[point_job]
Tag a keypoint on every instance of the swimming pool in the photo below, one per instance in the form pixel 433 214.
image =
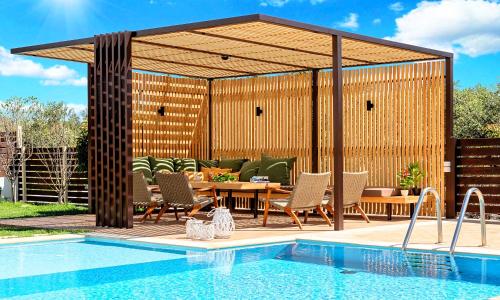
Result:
pixel 104 269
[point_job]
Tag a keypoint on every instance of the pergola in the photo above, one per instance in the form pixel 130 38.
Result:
pixel 226 48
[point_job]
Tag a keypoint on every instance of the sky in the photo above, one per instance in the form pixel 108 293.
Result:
pixel 468 28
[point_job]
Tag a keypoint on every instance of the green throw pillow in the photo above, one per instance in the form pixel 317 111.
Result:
pixel 233 164
pixel 184 164
pixel 277 169
pixel 249 169
pixel 207 163
pixel 159 164
pixel 141 164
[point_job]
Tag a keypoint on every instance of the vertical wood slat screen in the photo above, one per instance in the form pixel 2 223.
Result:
pixel 283 129
pixel 110 134
pixel 405 125
pixel 183 130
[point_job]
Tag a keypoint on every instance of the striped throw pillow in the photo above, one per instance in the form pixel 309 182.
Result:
pixel 184 164
pixel 160 164
pixel 207 163
pixel 141 164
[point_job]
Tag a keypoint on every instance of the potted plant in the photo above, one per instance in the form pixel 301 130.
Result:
pixel 405 181
pixel 417 176
pixel 223 177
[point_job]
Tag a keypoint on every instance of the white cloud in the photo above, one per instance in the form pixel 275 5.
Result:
pixel 78 108
pixel 350 22
pixel 12 65
pixel 461 26
pixel 396 6
pixel 281 3
pixel 376 21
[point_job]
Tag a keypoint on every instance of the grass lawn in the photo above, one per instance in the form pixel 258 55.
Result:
pixel 10 210
pixel 12 232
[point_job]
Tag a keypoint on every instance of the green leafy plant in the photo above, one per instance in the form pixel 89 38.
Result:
pixel 411 176
pixel 405 180
pixel 416 173
pixel 223 177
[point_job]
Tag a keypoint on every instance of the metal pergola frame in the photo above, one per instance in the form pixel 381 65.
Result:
pixel 111 57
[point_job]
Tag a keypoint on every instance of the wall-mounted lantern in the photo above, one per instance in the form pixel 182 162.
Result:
pixel 258 111
pixel 369 105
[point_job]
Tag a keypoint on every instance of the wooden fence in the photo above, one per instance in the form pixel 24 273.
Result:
pixel 37 180
pixel 478 165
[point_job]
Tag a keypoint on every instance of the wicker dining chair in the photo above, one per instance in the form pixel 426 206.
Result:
pixel 354 184
pixel 307 194
pixel 178 193
pixel 142 196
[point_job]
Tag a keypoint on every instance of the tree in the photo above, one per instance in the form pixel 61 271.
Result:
pixel 477 112
pixel 82 146
pixel 57 128
pixel 16 121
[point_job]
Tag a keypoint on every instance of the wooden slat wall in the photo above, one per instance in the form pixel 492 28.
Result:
pixel 183 130
pixel 478 165
pixel 405 125
pixel 283 129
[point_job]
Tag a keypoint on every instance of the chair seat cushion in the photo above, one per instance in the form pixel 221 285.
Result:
pixel 281 203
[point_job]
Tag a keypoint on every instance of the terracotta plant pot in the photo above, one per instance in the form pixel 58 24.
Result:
pixel 404 192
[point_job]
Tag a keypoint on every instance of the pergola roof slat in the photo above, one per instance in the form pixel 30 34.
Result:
pixel 254 45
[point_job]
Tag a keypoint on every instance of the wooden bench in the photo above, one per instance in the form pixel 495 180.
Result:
pixel 390 200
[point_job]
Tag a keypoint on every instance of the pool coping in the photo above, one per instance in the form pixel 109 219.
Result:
pixel 338 237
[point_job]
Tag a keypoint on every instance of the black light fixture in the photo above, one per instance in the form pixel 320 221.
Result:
pixel 161 111
pixel 224 57
pixel 258 111
pixel 369 105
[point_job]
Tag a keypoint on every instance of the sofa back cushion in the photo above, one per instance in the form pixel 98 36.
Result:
pixel 185 164
pixel 233 164
pixel 277 169
pixel 249 169
pixel 160 164
pixel 141 164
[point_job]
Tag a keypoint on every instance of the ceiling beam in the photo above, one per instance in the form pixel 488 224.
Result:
pixel 245 73
pixel 274 46
pixel 220 54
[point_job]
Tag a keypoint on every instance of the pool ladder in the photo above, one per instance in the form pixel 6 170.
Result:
pixel 462 215
pixel 417 210
pixel 439 220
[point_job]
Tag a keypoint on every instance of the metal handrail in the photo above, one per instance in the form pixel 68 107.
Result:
pixel 417 210
pixel 462 215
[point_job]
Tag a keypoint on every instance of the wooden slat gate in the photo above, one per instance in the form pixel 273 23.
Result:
pixel 478 165
pixel 38 187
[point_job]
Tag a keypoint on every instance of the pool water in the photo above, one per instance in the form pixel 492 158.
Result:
pixel 101 269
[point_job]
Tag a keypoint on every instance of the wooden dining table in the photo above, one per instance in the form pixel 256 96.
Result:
pixel 230 187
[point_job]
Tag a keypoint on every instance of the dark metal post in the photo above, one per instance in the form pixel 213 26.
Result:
pixel 91 142
pixel 210 134
pixel 314 122
pixel 110 130
pixel 337 134
pixel 450 142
